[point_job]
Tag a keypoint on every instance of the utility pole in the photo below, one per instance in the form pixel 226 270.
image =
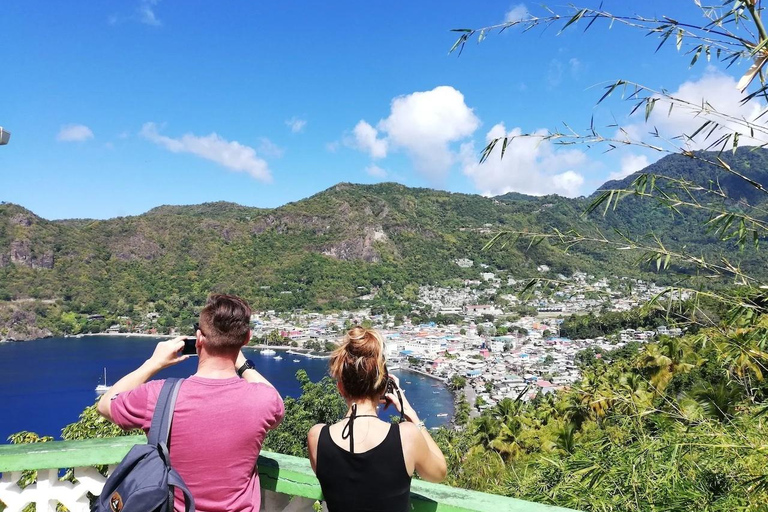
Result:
pixel 5 136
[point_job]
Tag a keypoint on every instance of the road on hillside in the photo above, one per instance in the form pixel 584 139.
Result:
pixel 469 392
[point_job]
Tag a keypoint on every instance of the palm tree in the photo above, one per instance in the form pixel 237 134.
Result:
pixel 505 442
pixel 718 401
pixel 743 352
pixel 663 360
pixel 565 438
pixel 485 429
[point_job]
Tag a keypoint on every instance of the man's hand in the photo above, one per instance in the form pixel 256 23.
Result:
pixel 167 353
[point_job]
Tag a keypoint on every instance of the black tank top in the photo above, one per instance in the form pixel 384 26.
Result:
pixel 373 481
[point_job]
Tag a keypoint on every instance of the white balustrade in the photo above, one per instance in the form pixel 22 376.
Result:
pixel 49 490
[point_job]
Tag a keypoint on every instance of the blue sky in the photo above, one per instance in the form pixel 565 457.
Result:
pixel 116 107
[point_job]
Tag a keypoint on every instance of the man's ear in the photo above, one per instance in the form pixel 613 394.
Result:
pixel 248 337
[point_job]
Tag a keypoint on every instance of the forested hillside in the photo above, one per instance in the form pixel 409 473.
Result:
pixel 327 250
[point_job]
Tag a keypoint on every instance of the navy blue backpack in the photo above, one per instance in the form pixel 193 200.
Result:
pixel 144 481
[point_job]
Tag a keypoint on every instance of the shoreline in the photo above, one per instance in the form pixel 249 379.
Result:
pixel 288 350
pixel 440 379
pixel 121 334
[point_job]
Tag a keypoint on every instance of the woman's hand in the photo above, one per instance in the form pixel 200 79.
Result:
pixel 407 410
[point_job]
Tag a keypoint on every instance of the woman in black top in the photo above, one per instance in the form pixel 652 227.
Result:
pixel 365 464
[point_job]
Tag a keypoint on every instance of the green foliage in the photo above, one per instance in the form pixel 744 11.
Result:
pixel 675 425
pixel 91 425
pixel 320 402
pixel 457 382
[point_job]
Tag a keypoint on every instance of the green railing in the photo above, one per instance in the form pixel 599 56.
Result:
pixel 283 474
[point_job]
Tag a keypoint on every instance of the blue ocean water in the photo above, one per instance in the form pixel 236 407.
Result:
pixel 46 384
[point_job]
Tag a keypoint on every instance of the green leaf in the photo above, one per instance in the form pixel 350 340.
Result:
pixel 576 17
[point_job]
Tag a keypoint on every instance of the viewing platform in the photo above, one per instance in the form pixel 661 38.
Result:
pixel 288 483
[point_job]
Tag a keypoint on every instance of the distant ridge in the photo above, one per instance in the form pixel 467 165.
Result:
pixel 328 249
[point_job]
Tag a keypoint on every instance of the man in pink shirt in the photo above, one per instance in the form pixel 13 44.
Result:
pixel 223 412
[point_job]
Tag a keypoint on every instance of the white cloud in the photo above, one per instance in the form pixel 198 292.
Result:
pixel 74 133
pixel 530 166
pixel 424 125
pixel 576 67
pixel 554 73
pixel 516 13
pixel 714 87
pixel 630 164
pixel 296 125
pixel 146 13
pixel 269 148
pixel 366 138
pixel 376 171
pixel 230 154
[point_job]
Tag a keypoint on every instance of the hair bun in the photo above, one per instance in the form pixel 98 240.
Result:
pixel 358 363
pixel 363 343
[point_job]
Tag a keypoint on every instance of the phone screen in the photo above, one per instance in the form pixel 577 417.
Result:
pixel 189 347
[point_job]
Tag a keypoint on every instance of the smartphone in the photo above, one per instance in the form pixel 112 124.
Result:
pixel 189 347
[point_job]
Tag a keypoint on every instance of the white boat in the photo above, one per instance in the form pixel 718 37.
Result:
pixel 268 352
pixel 102 388
pixel 442 415
pixel 278 358
pixel 295 360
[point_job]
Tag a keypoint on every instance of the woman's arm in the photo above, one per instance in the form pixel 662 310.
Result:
pixel 312 438
pixel 428 459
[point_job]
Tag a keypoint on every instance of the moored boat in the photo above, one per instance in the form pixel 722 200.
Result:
pixel 102 388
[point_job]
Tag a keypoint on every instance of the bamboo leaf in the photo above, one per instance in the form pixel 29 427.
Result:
pixel 576 17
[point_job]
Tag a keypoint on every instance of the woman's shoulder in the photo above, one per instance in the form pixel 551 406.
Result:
pixel 314 432
pixel 409 429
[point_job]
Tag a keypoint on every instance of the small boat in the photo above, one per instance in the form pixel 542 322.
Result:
pixel 407 382
pixel 268 352
pixel 435 392
pixel 278 358
pixel 295 360
pixel 442 415
pixel 102 388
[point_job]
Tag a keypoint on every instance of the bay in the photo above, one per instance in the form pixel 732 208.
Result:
pixel 45 384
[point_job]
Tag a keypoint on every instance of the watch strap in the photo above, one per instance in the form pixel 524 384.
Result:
pixel 248 365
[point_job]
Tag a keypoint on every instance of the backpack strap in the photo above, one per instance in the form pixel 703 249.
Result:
pixel 159 433
pixel 175 480
pixel 163 415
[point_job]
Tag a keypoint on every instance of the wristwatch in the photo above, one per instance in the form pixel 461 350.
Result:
pixel 248 365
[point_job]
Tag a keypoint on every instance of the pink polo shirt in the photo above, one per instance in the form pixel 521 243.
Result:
pixel 218 428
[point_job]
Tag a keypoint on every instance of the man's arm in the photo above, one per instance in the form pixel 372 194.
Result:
pixel 250 375
pixel 166 354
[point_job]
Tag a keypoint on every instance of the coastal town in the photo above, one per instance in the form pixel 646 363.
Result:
pixel 497 352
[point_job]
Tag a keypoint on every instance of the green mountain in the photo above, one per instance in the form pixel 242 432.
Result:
pixel 324 251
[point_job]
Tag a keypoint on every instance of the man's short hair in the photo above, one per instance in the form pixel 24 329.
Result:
pixel 225 322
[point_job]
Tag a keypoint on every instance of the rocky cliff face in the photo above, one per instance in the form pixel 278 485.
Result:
pixel 21 229
pixel 359 248
pixel 21 254
pixel 18 323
